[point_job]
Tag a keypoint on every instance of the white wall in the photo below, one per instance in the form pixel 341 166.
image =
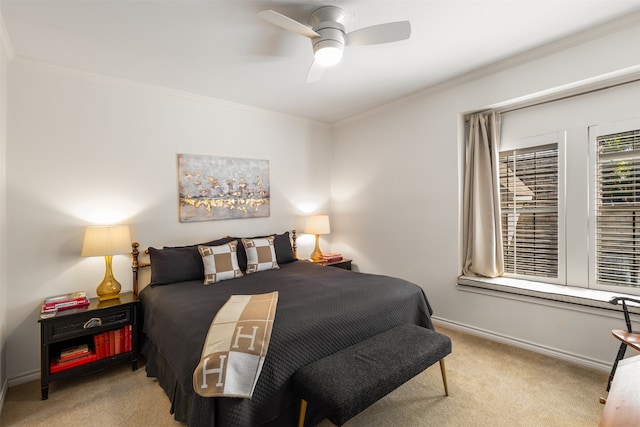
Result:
pixel 403 219
pixel 84 149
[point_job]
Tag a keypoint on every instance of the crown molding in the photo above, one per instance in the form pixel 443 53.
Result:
pixel 106 79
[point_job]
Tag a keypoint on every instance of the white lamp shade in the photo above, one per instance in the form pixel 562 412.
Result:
pixel 317 224
pixel 106 240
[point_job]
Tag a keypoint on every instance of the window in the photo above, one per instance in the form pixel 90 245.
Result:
pixel 529 210
pixel 570 193
pixel 617 207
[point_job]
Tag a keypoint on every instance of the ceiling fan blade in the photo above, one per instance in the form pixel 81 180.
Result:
pixel 279 20
pixel 315 72
pixel 379 34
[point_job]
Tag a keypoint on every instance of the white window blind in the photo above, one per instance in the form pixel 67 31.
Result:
pixel 618 209
pixel 529 203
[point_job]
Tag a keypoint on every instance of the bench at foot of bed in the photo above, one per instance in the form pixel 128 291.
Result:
pixel 346 383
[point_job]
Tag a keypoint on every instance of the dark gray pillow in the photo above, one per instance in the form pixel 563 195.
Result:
pixel 171 265
pixel 282 245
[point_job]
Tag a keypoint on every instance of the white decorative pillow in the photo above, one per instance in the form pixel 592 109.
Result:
pixel 261 254
pixel 220 262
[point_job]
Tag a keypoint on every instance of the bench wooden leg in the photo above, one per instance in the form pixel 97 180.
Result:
pixel 303 412
pixel 444 377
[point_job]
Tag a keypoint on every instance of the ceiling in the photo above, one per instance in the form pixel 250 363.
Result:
pixel 221 49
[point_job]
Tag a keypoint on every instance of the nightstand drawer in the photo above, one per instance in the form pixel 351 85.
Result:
pixel 95 321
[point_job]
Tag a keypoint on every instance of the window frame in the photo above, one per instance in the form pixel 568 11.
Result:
pixel 541 141
pixel 594 132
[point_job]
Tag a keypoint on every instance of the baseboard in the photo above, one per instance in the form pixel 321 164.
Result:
pixel 24 378
pixel 3 393
pixel 527 345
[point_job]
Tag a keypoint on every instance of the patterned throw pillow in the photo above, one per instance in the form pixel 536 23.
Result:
pixel 220 262
pixel 261 254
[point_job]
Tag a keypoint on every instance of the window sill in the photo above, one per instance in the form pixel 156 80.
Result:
pixel 559 293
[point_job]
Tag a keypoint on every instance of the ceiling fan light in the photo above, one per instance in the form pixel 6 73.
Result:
pixel 328 53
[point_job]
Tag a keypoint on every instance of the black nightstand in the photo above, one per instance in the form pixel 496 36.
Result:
pixel 344 263
pixel 85 326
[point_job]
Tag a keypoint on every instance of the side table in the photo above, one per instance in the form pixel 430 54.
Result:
pixel 85 325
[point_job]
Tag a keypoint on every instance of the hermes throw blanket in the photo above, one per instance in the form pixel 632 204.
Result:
pixel 236 346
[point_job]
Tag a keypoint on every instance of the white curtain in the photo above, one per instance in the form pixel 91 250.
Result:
pixel 482 227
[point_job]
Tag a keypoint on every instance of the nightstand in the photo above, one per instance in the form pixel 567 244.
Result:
pixel 114 320
pixel 344 263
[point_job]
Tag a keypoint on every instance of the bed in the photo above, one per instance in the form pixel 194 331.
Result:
pixel 320 311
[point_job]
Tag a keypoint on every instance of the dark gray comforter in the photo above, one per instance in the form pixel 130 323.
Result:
pixel 320 311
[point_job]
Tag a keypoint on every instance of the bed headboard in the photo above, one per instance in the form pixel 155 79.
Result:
pixel 136 264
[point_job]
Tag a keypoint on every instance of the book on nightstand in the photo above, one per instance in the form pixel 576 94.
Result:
pixel 112 343
pixel 107 345
pixel 96 345
pixel 52 305
pixel 119 340
pixel 72 353
pixel 66 298
pixel 332 257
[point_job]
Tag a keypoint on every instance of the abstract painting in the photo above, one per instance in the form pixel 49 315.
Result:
pixel 213 188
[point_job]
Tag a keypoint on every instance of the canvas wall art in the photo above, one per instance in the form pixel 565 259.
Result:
pixel 214 188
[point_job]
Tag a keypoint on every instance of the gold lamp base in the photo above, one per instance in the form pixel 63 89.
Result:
pixel 109 288
pixel 316 255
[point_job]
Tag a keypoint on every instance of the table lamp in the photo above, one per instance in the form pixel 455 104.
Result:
pixel 107 241
pixel 317 224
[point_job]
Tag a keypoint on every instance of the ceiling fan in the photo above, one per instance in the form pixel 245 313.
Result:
pixel 326 30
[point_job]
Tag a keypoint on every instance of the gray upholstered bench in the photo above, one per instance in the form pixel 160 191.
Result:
pixel 346 383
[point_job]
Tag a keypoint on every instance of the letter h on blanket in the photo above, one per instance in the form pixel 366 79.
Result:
pixel 218 371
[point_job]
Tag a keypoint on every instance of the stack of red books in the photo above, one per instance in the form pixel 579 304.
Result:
pixel 72 357
pixel 64 302
pixel 331 257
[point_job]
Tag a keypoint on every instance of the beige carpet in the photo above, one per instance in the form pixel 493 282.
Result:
pixel 490 384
